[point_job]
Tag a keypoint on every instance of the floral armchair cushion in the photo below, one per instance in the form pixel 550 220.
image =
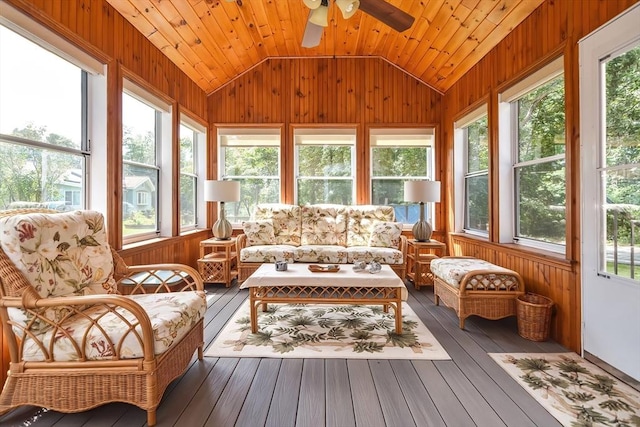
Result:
pixel 286 221
pixel 324 225
pixel 361 221
pixel 60 254
pixel 385 234
pixel 172 316
pixel 259 232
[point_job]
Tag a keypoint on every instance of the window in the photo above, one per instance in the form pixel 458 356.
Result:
pixel 252 157
pixel 44 148
pixel 472 172
pixel 192 137
pixel 399 155
pixel 324 164
pixel 536 117
pixel 143 143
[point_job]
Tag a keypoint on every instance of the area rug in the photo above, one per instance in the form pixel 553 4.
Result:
pixel 576 392
pixel 326 331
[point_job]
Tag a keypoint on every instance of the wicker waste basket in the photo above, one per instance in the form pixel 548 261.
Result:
pixel 534 316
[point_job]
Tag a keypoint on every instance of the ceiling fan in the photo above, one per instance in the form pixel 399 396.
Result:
pixel 385 12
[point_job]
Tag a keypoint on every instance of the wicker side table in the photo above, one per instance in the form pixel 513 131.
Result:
pixel 424 276
pixel 220 264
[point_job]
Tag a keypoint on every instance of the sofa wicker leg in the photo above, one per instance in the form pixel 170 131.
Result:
pixel 462 322
pixel 151 417
pixel 200 353
pixel 436 299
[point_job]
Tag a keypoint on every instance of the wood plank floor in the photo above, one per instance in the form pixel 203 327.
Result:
pixel 468 390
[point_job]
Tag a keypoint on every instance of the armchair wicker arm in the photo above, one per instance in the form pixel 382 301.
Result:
pixel 154 278
pixel 78 321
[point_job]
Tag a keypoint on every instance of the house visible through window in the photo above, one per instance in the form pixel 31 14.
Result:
pixel 399 155
pixel 44 149
pixel 252 157
pixel 535 111
pixel 325 166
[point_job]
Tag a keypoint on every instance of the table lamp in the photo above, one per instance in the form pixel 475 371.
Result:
pixel 222 191
pixel 421 192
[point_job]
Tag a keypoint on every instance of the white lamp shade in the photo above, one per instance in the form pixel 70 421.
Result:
pixel 320 16
pixel 348 7
pixel 312 4
pixel 221 191
pixel 422 191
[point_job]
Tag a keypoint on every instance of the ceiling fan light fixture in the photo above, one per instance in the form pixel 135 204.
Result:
pixel 348 7
pixel 312 4
pixel 320 16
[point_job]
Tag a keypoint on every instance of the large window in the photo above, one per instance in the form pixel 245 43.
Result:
pixel 399 155
pixel 192 138
pixel 536 112
pixel 44 147
pixel 252 157
pixel 142 140
pixel 325 166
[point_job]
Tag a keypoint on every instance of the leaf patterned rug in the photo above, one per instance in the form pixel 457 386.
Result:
pixel 326 331
pixel 576 392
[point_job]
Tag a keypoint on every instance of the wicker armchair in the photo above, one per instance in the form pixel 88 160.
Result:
pixel 74 342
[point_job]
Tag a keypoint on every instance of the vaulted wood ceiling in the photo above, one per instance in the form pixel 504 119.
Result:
pixel 213 41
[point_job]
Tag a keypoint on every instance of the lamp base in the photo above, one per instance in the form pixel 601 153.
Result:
pixel 222 229
pixel 422 231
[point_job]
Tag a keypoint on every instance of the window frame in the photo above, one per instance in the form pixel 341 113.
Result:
pixel 509 155
pixel 247 132
pixel 91 71
pixel 197 174
pixel 461 170
pixel 324 132
pixel 162 164
pixel 413 137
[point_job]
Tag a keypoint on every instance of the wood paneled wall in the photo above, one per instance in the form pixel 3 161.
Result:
pixel 325 91
pixel 94 26
pixel 315 92
pixel 553 29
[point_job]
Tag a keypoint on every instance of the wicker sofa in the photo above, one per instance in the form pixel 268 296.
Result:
pixel 324 233
pixel 74 342
pixel 473 286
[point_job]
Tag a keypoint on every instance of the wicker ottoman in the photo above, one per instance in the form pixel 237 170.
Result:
pixel 473 286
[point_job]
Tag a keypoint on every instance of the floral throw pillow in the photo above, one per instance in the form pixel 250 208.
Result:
pixel 385 234
pixel 259 232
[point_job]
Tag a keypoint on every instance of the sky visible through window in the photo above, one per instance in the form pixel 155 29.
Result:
pixel 41 88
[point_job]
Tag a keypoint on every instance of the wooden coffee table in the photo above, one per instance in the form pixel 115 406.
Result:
pixel 298 285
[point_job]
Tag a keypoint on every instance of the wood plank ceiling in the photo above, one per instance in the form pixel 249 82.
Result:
pixel 214 41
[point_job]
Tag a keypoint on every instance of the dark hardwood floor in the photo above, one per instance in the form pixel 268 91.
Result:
pixel 468 390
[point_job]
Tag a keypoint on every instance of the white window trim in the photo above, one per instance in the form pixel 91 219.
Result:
pixel 508 154
pixel 460 168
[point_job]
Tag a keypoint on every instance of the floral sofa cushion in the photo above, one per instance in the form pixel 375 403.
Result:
pixel 324 225
pixel 485 275
pixel 385 234
pixel 368 254
pixel 361 222
pixel 331 254
pixel 286 221
pixel 172 316
pixel 259 232
pixel 62 254
pixel 267 253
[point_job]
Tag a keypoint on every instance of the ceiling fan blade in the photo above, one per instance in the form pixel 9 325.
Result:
pixel 312 35
pixel 387 13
